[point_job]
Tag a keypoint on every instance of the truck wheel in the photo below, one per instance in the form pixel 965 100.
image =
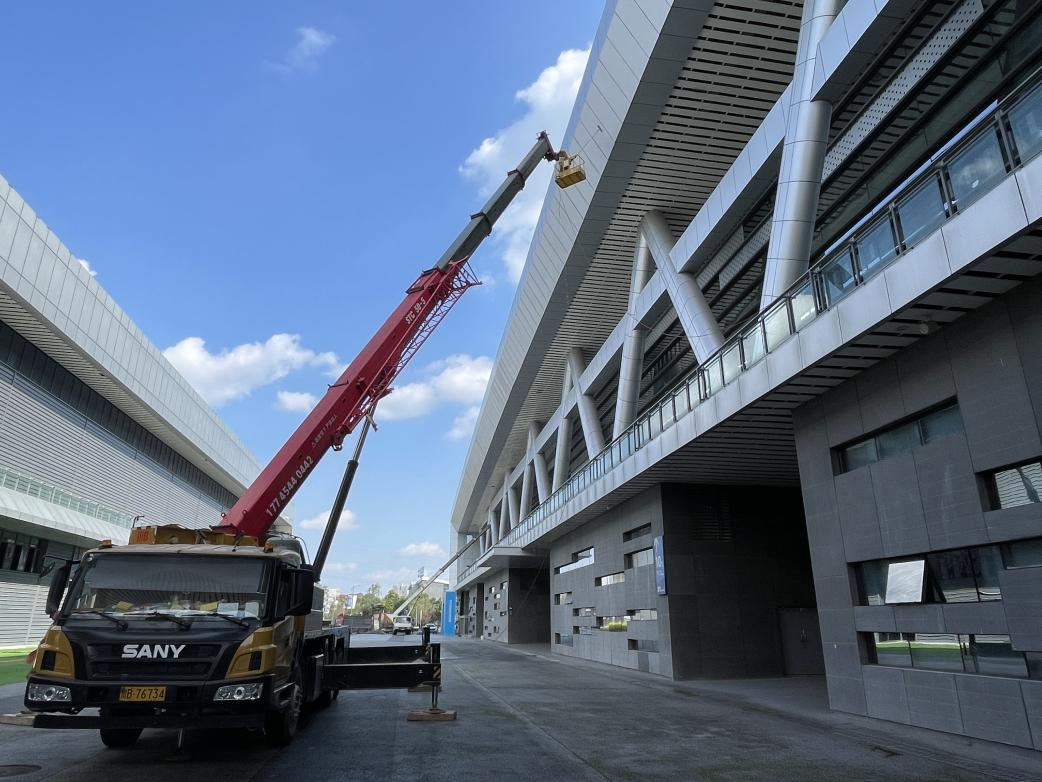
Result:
pixel 118 738
pixel 281 726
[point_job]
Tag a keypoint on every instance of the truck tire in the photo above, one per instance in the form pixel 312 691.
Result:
pixel 119 738
pixel 280 726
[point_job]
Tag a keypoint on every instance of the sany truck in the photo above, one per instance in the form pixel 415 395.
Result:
pixel 222 627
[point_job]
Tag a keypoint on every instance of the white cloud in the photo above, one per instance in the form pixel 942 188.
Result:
pixel 296 401
pixel 86 265
pixel 458 379
pixel 348 520
pixel 424 549
pixel 463 424
pixel 232 374
pixel 548 104
pixel 303 55
pixel 339 567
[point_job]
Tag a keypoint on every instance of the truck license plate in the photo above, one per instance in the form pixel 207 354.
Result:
pixel 142 693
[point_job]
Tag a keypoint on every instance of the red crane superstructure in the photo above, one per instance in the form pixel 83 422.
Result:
pixel 369 376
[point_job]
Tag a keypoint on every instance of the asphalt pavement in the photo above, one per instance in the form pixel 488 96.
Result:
pixel 527 715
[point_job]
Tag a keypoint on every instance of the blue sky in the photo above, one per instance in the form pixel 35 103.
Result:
pixel 257 184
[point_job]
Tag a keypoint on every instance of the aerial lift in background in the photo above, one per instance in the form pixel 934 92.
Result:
pixel 219 628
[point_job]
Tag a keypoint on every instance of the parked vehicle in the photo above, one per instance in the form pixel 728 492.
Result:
pixel 403 624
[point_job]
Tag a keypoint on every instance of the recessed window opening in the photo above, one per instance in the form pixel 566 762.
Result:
pixel 645 556
pixel 986 654
pixel 636 532
pixel 890 442
pixel 579 559
pixel 611 578
pixel 1015 486
pixel 967 575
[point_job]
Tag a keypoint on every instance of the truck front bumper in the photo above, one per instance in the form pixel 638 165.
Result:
pixel 188 704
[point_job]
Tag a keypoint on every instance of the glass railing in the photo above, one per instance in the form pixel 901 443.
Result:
pixel 32 487
pixel 1001 140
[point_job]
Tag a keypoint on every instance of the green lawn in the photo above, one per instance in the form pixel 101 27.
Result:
pixel 12 665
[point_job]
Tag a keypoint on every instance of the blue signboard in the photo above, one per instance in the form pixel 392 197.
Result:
pixel 660 566
pixel 448 614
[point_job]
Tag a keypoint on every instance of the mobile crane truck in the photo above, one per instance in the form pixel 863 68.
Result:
pixel 221 628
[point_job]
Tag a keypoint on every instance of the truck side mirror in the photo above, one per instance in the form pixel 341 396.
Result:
pixel 57 589
pixel 301 586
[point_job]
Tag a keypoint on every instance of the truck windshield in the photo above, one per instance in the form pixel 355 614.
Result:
pixel 183 585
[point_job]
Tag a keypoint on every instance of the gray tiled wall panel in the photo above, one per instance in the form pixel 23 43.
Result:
pixel 885 693
pixel 950 496
pixel 992 708
pixel 933 701
pixel 1022 602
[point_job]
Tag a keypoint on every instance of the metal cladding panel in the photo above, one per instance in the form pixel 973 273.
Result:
pixel 24 619
pixel 52 300
pixel 36 439
pixel 662 141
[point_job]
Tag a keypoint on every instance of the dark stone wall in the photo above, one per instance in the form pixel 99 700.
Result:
pixel 926 499
pixel 734 556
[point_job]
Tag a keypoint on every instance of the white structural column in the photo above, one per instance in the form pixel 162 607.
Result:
pixel 799 179
pixel 591 424
pixel 526 491
pixel 538 464
pixel 632 361
pixel 697 320
pixel 562 453
pixel 514 516
pixel 504 516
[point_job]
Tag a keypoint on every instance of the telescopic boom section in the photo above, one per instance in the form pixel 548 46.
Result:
pixel 369 377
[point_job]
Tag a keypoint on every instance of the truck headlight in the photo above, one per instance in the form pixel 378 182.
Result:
pixel 49 693
pixel 239 692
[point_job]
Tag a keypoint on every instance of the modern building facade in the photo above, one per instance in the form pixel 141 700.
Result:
pixel 97 429
pixel 769 400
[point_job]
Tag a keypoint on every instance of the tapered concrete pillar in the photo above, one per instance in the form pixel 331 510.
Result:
pixel 632 361
pixel 512 504
pixel 503 525
pixel 697 320
pixel 591 424
pixel 542 476
pixel 563 453
pixel 799 178
pixel 526 492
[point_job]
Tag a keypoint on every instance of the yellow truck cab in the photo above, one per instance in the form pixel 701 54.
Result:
pixel 183 633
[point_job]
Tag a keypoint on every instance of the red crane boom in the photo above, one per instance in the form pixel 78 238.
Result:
pixel 369 376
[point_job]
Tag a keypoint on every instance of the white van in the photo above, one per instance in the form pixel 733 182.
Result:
pixel 402 624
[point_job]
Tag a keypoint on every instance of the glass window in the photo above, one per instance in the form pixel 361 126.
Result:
pixel 904 581
pixel 937 651
pixel 642 614
pixel 611 578
pixel 776 325
pixel 641 645
pixel 1017 486
pixel 859 454
pixel 953 573
pixel 897 440
pixel 892 649
pixel 752 344
pixel 941 423
pixel 987 564
pixel 732 362
pixel 921 212
pixel 804 308
pixel 876 248
pixel 563 598
pixel 1023 553
pixel 994 655
pixel 873 582
pixel 579 559
pixel 838 277
pixel 636 532
pixel 976 169
pixel 640 558
pixel 1025 120
pixel 612 623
